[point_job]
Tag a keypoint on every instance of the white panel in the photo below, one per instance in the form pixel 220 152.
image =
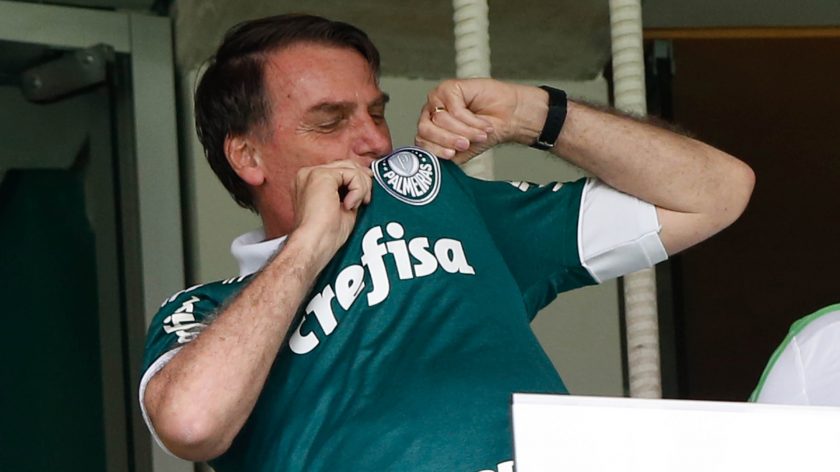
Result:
pixel 637 435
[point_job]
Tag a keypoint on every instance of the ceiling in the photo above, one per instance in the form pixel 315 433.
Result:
pixel 139 5
pixel 530 39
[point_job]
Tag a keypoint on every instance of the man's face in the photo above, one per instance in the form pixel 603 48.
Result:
pixel 325 106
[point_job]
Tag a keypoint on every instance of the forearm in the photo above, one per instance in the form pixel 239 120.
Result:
pixel 200 400
pixel 697 189
pixel 202 397
pixel 661 167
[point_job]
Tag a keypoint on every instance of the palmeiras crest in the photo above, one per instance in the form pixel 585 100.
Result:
pixel 409 174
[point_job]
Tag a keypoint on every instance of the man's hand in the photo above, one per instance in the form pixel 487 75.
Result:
pixel 326 200
pixel 462 118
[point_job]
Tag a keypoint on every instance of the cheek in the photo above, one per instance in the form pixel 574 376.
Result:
pixel 330 148
pixel 387 132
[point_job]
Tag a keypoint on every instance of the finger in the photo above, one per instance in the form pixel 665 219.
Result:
pixel 329 175
pixel 425 126
pixel 369 193
pixel 443 136
pixel 358 184
pixel 451 96
pixel 456 118
pixel 437 150
pixel 466 133
pixel 356 196
pixel 457 111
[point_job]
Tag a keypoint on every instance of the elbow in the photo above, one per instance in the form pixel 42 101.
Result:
pixel 724 203
pixel 742 184
pixel 192 441
pixel 187 432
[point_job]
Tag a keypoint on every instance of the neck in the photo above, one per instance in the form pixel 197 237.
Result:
pixel 277 214
pixel 275 228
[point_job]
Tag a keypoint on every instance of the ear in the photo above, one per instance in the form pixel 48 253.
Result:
pixel 245 159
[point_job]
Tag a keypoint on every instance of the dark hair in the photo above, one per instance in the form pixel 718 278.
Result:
pixel 230 98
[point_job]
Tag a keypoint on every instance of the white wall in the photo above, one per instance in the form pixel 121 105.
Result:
pixel 580 331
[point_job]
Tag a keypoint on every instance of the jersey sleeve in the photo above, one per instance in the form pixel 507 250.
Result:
pixel 179 320
pixel 560 236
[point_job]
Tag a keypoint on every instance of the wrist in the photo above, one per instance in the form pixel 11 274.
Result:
pixel 307 253
pixel 530 114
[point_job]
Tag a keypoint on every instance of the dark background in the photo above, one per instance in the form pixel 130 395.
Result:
pixel 774 103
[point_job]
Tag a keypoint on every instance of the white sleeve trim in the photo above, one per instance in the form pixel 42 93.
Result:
pixel 617 233
pixel 150 372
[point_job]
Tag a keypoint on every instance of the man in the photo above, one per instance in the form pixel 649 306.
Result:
pixel 391 326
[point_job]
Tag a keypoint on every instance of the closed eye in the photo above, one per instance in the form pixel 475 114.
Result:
pixel 331 124
pixel 378 118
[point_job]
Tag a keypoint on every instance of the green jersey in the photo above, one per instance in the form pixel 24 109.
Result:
pixel 405 354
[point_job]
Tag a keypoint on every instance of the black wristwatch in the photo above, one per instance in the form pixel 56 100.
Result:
pixel 557 105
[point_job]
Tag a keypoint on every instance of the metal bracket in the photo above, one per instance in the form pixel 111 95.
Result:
pixel 73 72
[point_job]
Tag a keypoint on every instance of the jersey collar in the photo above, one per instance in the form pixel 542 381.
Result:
pixel 252 251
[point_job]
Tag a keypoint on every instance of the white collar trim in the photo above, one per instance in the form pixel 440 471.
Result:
pixel 252 251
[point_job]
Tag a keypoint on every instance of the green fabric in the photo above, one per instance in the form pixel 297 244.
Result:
pixel 795 329
pixel 52 415
pixel 416 371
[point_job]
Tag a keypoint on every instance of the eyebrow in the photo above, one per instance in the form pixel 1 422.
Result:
pixel 344 107
pixel 383 99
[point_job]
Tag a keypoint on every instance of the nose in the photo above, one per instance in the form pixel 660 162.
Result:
pixel 373 138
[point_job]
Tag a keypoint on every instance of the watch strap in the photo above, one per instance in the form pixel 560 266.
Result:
pixel 557 106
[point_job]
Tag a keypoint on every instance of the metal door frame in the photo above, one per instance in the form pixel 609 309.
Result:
pixel 150 205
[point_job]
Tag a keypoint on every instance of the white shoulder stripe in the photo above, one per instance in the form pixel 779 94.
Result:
pixel 617 233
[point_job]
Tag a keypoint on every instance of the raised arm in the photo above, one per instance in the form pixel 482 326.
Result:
pixel 698 190
pixel 200 400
